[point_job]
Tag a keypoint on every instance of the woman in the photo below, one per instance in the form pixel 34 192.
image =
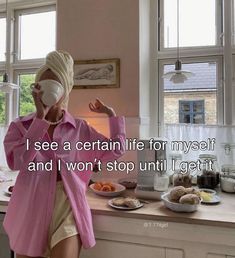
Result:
pixel 48 214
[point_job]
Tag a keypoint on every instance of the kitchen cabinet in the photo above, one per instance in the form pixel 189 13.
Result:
pixel 130 237
pixel 5 251
pixel 106 249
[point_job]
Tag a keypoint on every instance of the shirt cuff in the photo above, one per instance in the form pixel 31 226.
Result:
pixel 117 125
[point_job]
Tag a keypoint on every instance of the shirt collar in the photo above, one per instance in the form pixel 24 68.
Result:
pixel 68 118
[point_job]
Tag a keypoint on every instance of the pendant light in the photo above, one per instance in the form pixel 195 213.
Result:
pixel 5 85
pixel 178 75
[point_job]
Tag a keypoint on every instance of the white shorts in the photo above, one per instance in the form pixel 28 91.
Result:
pixel 62 224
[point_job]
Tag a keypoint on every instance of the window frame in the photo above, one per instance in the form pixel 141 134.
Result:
pixel 226 115
pixel 220 86
pixel 2 63
pixel 219 26
pixel 10 65
pixel 17 46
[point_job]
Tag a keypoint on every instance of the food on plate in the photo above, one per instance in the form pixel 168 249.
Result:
pixel 189 199
pixel 206 197
pixel 104 186
pixel 176 193
pixel 119 201
pixel 130 202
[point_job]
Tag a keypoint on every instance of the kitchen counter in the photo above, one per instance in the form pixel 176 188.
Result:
pixel 222 214
pixel 154 230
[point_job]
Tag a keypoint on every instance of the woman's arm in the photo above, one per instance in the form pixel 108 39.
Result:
pixel 117 132
pixel 15 140
pixel 15 143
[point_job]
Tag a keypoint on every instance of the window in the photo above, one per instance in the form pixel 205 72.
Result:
pixel 204 30
pixel 3 37
pixel 26 104
pixel 198 23
pixel 203 86
pixel 36 32
pixel 191 111
pixel 31 37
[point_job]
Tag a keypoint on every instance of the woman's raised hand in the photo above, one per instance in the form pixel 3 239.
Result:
pixel 100 107
pixel 41 109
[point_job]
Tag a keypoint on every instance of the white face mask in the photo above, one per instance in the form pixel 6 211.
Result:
pixel 52 91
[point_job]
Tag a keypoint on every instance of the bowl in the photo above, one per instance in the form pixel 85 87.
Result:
pixel 118 190
pixel 178 207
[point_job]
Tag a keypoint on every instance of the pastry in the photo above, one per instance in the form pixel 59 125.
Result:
pixel 189 199
pixel 131 202
pixel 176 193
pixel 192 191
pixel 119 201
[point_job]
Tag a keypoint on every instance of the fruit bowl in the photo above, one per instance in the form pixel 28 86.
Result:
pixel 178 207
pixel 118 190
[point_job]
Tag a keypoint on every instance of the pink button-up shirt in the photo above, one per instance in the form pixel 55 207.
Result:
pixel 30 208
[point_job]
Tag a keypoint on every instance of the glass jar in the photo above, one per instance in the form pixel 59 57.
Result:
pixel 208 176
pixel 175 159
pixel 161 182
pixel 182 179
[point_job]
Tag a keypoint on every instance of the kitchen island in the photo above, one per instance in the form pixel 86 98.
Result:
pixel 153 230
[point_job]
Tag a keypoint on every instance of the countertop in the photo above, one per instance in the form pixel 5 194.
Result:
pixel 220 215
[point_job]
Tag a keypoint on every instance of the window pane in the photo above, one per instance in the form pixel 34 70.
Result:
pixel 200 91
pixel 197 23
pixel 37 34
pixel 26 100
pixel 2 39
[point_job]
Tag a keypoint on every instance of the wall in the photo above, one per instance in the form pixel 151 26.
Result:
pixel 91 29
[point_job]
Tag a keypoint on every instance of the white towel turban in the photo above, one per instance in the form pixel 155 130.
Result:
pixel 61 64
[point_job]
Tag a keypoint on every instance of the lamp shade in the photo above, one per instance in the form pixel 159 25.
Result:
pixel 178 75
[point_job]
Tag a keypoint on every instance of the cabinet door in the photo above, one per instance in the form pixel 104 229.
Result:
pixel 174 253
pixel 112 249
pixel 5 251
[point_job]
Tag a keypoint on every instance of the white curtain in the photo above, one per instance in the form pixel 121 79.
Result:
pixel 192 132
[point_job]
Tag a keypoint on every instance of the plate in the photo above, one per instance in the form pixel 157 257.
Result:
pixel 6 191
pixel 119 189
pixel 178 207
pixel 123 207
pixel 207 190
pixel 215 199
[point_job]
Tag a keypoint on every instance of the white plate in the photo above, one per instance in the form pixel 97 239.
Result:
pixel 178 207
pixel 123 207
pixel 6 191
pixel 215 199
pixel 207 190
pixel 119 189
